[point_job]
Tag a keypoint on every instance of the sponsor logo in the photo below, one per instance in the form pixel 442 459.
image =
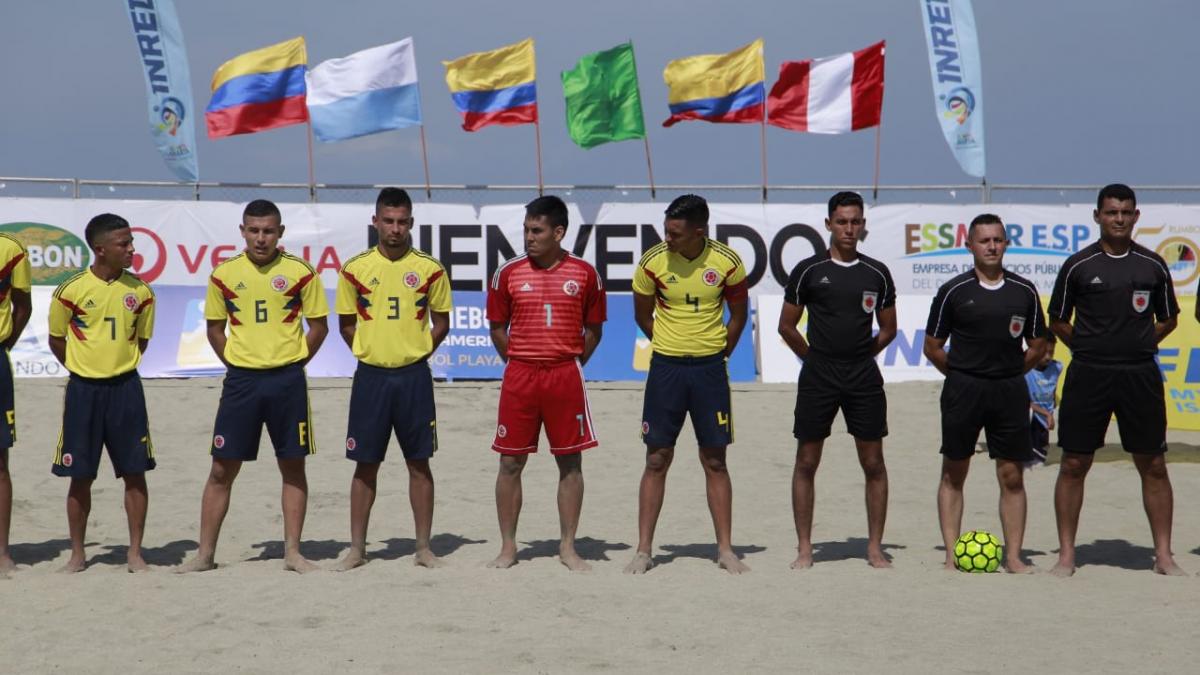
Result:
pixel 870 300
pixel 824 280
pixel 672 279
pixel 525 287
pixel 240 286
pixel 90 304
pixel 501 431
pixel 218 441
pixel 130 301
pixel 67 460
pixel 960 103
pixel 351 444
pixel 571 287
pixel 1141 300
pixel 711 277
pixel 279 283
pixel 923 240
pixel 55 254
pixel 412 280
pixel 373 282
pixel 1095 280
pixel 645 427
pixel 1016 325
pixel 149 266
pixel 1180 256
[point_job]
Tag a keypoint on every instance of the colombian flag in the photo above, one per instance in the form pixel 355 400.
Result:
pixel 496 87
pixel 718 87
pixel 259 90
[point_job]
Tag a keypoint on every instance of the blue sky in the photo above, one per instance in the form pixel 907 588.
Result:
pixel 1077 92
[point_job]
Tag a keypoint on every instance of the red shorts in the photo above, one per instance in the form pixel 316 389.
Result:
pixel 533 394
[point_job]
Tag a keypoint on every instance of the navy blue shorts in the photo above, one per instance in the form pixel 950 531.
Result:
pixel 104 413
pixel 682 385
pixel 826 385
pixel 8 428
pixel 384 401
pixel 277 397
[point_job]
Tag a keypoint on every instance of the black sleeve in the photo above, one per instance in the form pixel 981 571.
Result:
pixel 1036 326
pixel 1062 301
pixel 941 314
pixel 792 293
pixel 889 291
pixel 1165 304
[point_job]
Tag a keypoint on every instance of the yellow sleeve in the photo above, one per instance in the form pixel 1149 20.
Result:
pixel 738 275
pixel 214 301
pixel 60 316
pixel 346 297
pixel 21 274
pixel 642 283
pixel 145 327
pixel 312 298
pixel 439 294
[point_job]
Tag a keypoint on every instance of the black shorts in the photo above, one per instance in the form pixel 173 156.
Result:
pixel 854 386
pixel 1093 392
pixel 682 385
pixel 998 406
pixel 8 428
pixel 277 397
pixel 104 413
pixel 391 400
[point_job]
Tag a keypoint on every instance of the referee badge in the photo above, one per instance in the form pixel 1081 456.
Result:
pixel 870 301
pixel 1016 325
pixel 1141 300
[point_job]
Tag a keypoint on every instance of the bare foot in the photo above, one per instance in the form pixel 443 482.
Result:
pixel 299 564
pixel 729 562
pixel 426 558
pixel 573 562
pixel 353 558
pixel 802 561
pixel 879 561
pixel 135 563
pixel 503 561
pixel 1018 567
pixel 1167 566
pixel 950 566
pixel 640 564
pixel 1063 570
pixel 73 565
pixel 6 565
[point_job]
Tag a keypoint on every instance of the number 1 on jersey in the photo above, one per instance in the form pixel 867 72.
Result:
pixel 549 315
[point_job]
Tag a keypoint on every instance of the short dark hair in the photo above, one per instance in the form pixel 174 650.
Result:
pixel 393 197
pixel 549 207
pixel 691 208
pixel 1118 191
pixel 845 198
pixel 985 219
pixel 101 225
pixel 260 208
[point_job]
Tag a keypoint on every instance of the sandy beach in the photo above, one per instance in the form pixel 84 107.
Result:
pixel 685 616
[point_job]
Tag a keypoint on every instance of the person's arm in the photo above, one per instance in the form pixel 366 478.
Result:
pixel 142 344
pixel 58 347
pixel 592 332
pixel 318 329
pixel 347 327
pixel 439 328
pixel 1163 328
pixel 887 329
pixel 643 313
pixel 499 330
pixel 22 307
pixel 1064 330
pixel 935 351
pixel 217 339
pixel 738 313
pixel 1034 349
pixel 789 330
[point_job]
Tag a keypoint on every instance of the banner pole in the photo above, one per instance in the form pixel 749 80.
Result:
pixel 425 159
pixel 537 134
pixel 312 180
pixel 878 136
pixel 764 160
pixel 649 167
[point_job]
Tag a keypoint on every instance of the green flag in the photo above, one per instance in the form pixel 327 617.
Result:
pixel 603 103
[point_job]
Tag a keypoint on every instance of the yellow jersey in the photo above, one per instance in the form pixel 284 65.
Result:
pixel 14 275
pixel 689 296
pixel 263 306
pixel 392 300
pixel 102 322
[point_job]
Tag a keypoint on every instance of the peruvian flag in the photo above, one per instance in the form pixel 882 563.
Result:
pixel 832 95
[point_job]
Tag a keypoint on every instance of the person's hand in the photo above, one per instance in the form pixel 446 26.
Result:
pixel 1049 421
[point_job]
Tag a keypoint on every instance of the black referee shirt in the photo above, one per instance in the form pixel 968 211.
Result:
pixel 986 325
pixel 1116 300
pixel 842 299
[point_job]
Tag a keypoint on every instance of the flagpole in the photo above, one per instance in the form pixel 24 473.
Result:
pixel 425 159
pixel 649 166
pixel 878 135
pixel 537 134
pixel 312 180
pixel 763 135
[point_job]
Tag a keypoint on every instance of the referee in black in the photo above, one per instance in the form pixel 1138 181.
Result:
pixel 993 319
pixel 845 292
pixel 1123 301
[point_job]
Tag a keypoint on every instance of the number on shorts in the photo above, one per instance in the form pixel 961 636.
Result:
pixel 112 326
pixel 549 315
pixel 722 419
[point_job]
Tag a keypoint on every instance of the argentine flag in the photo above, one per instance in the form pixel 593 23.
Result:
pixel 367 92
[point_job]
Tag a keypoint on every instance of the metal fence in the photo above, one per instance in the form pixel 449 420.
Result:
pixel 585 195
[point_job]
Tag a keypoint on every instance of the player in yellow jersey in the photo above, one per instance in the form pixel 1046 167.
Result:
pixel 681 288
pixel 100 323
pixel 15 307
pixel 393 306
pixel 262 295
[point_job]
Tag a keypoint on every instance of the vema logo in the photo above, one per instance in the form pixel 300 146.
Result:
pixel 937 239
pixel 54 253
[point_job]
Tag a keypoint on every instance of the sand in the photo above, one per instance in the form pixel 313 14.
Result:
pixel 686 615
